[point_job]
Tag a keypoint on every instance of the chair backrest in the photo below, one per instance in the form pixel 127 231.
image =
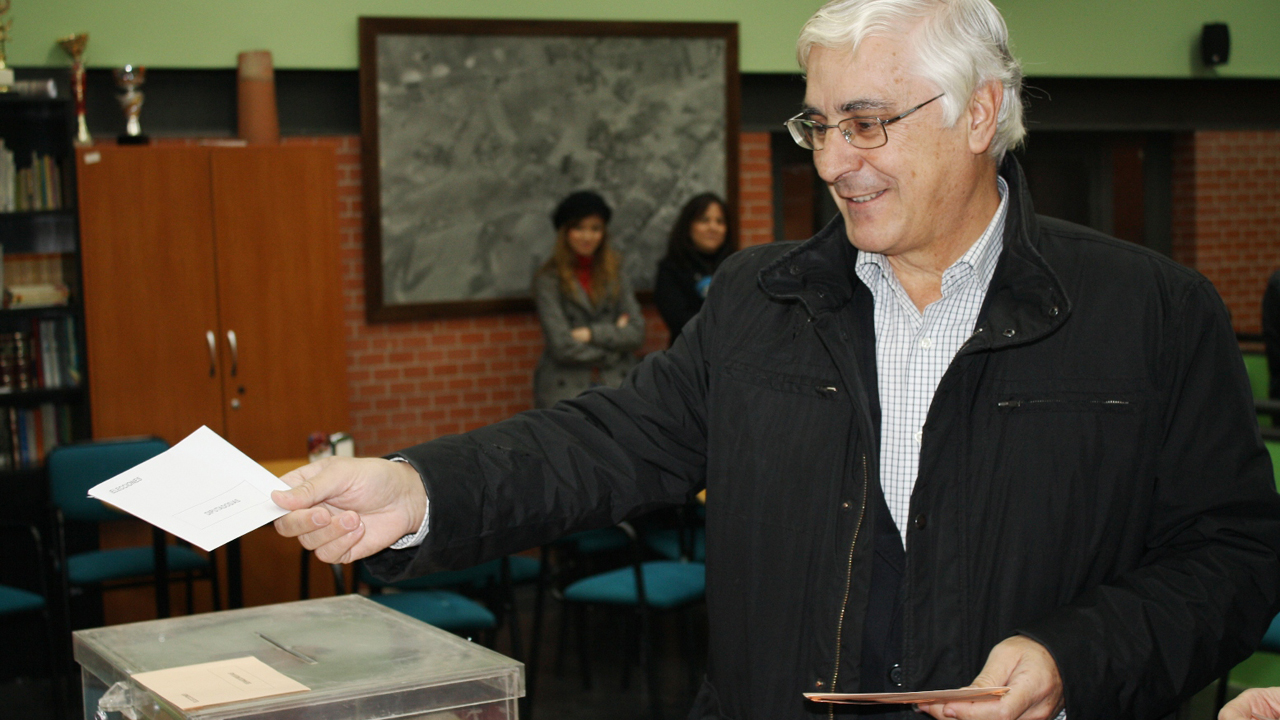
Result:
pixel 74 469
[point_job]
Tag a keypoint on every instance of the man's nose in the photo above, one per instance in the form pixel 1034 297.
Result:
pixel 836 158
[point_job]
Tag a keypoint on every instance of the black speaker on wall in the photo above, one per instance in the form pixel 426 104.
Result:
pixel 1215 44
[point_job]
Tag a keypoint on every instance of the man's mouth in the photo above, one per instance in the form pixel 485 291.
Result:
pixel 866 198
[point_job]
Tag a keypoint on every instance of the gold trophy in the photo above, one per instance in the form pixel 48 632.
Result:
pixel 6 73
pixel 129 78
pixel 74 45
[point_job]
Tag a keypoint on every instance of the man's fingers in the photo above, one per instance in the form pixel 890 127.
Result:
pixel 318 535
pixel 300 522
pixel 308 486
pixel 343 548
pixel 1027 669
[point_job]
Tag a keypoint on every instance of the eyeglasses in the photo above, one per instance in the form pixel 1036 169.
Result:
pixel 867 133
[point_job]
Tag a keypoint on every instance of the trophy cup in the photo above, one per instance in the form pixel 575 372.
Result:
pixel 74 45
pixel 6 74
pixel 130 78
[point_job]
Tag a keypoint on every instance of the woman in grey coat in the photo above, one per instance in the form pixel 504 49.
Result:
pixel 591 322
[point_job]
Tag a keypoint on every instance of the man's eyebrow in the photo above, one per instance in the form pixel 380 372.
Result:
pixel 851 107
pixel 854 106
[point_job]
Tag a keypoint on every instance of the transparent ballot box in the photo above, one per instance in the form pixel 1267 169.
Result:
pixel 359 660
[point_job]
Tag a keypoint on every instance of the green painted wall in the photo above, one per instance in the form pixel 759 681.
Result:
pixel 1130 38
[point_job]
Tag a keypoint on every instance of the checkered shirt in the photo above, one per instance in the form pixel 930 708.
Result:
pixel 914 349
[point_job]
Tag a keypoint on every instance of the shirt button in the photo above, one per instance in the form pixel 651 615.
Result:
pixel 920 522
pixel 919 436
pixel 926 343
pixel 895 675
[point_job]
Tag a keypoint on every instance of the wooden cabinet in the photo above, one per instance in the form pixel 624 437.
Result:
pixel 212 293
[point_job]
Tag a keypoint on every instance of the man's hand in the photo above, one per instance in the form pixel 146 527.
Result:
pixel 346 509
pixel 1253 703
pixel 623 320
pixel 1027 668
pixel 581 334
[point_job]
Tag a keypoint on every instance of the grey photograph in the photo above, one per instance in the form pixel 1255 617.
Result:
pixel 480 136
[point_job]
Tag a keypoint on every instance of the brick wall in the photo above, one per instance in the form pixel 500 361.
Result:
pixel 1226 216
pixel 413 381
pixel 755 190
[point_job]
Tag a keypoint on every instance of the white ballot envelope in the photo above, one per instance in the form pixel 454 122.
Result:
pixel 203 490
pixel 904 698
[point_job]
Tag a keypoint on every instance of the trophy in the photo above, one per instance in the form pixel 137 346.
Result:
pixel 6 74
pixel 74 45
pixel 129 78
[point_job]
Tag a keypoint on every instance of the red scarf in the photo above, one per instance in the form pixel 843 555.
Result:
pixel 584 272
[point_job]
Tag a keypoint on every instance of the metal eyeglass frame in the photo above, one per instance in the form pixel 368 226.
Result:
pixel 796 127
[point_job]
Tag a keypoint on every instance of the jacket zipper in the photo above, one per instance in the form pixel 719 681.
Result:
pixel 1020 403
pixel 848 582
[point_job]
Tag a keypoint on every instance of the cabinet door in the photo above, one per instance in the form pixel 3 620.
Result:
pixel 279 292
pixel 150 299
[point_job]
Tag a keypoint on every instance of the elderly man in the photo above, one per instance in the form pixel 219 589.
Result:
pixel 945 441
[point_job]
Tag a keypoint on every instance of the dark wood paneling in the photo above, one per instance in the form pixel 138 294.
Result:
pixel 327 102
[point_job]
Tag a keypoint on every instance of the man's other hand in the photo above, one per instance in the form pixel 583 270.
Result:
pixel 1027 669
pixel 347 508
pixel 1253 703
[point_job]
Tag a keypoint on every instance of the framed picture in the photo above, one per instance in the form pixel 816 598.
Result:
pixel 474 130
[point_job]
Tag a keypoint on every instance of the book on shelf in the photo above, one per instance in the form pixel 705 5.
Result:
pixel 28 434
pixel 35 187
pixel 8 180
pixel 46 358
pixel 35 88
pixel 38 295
pixel 34 280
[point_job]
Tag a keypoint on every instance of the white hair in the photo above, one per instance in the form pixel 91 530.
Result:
pixel 959 45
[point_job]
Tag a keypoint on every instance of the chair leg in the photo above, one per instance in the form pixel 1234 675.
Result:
pixel 580 611
pixel 564 637
pixel 690 647
pixel 57 684
pixel 304 575
pixel 650 662
pixel 214 584
pixel 513 627
pixel 531 664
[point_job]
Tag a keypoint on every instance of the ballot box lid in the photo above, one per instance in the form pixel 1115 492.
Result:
pixel 359 660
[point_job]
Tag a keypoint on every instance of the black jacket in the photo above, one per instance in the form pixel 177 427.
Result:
pixel 1091 475
pixel 676 287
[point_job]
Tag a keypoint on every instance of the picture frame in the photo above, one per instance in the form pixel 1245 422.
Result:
pixel 473 130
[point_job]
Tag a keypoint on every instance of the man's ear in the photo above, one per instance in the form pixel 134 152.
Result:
pixel 983 113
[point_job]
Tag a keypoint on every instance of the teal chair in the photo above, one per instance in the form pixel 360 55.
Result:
pixel 562 561
pixel 72 470
pixel 642 588
pixel 443 608
pixel 682 538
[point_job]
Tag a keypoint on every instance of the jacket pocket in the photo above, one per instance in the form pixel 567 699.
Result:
pixel 1066 404
pixel 799 384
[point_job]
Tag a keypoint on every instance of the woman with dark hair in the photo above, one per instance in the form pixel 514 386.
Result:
pixel 590 319
pixel 700 240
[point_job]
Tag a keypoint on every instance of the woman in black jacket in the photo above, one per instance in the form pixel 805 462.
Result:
pixel 700 240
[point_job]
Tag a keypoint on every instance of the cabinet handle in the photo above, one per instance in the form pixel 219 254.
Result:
pixel 235 353
pixel 213 352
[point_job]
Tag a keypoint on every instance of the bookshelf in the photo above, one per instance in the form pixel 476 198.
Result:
pixel 43 396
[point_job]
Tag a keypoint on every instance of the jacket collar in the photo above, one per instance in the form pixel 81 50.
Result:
pixel 1024 302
